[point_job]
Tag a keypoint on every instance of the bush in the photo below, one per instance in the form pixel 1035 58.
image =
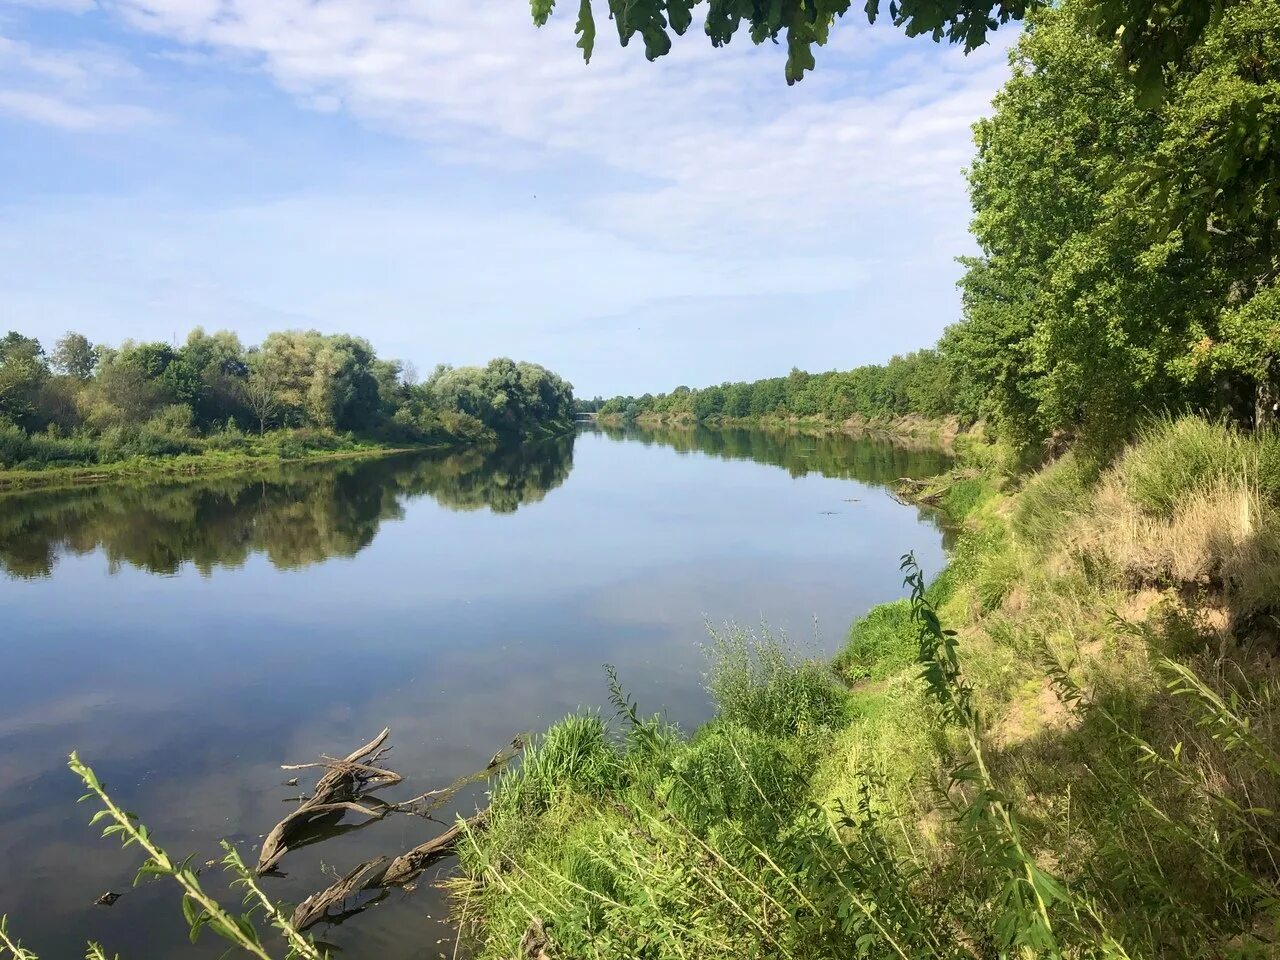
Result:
pixel 49 448
pixel 758 685
pixel 230 437
pixel 174 422
pixel 15 445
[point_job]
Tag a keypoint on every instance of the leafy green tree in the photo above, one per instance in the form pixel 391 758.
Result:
pixel 343 391
pixel 1099 297
pixel 261 393
pixel 214 368
pixel 74 355
pixel 22 373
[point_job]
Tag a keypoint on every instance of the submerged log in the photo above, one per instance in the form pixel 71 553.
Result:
pixel 317 906
pixel 408 866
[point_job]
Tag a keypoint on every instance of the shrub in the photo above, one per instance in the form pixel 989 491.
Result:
pixel 15 445
pixel 230 437
pixel 758 684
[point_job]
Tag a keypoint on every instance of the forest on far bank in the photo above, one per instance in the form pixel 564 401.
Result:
pixel 85 403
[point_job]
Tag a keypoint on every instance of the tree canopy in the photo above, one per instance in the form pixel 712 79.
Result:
pixel 1154 37
pixel 90 403
pixel 1129 254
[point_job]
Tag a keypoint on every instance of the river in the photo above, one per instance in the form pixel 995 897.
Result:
pixel 189 638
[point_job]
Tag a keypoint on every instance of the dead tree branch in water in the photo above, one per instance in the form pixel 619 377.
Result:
pixel 379 875
pixel 345 783
pixel 346 786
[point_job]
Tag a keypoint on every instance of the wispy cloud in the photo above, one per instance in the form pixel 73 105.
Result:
pixel 68 6
pixel 703 143
pixel 72 89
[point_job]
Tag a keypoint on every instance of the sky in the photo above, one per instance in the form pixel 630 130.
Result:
pixel 454 184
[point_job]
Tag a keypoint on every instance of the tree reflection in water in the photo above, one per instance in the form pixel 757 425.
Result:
pixel 294 514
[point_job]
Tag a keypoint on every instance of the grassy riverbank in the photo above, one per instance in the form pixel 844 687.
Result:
pixel 1088 766
pixel 201 458
pixel 79 461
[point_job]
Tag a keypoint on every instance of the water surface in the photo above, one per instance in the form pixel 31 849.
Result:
pixel 188 638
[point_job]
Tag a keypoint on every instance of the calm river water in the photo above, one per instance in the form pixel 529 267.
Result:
pixel 188 639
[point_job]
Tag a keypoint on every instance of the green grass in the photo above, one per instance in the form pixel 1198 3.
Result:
pixel 880 644
pixel 1107 789
pixel 1051 497
pixel 1177 457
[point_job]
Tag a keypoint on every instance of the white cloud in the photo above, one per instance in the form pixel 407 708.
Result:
pixel 70 89
pixel 56 112
pixel 703 144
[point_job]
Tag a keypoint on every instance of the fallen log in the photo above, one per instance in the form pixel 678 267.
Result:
pixel 909 491
pixel 345 783
pixel 345 786
pixel 316 907
pixel 407 867
pixel 379 874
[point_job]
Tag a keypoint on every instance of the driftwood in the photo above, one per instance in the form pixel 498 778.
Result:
pixel 346 786
pixel 379 875
pixel 345 783
pixel 316 907
pixel 407 867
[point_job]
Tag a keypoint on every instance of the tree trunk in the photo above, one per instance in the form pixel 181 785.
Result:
pixel 1266 407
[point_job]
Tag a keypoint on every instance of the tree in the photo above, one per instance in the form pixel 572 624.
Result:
pixel 22 372
pixel 290 356
pixel 261 392
pixel 74 356
pixel 1099 297
pixel 213 368
pixel 1155 37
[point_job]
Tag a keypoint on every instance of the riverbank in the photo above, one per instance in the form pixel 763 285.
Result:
pixel 1069 742
pixel 225 452
pixel 941 432
pixel 189 465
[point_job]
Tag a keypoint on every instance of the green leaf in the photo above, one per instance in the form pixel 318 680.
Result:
pixel 585 28
pixel 541 10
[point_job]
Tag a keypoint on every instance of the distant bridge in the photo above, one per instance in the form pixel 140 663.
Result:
pixel 585 417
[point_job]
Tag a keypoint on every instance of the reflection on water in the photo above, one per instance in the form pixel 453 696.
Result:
pixel 866 459
pixel 295 514
pixel 188 638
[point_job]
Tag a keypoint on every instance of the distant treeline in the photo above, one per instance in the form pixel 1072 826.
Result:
pixel 920 382
pixel 88 403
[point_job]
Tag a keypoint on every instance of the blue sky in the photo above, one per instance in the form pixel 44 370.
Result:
pixel 454 184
